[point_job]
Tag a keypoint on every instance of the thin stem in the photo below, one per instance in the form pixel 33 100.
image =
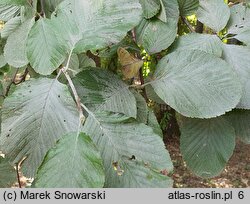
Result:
pixel 18 176
pixel 187 24
pixel 42 8
pixel 12 82
pixel 68 61
pixel 140 86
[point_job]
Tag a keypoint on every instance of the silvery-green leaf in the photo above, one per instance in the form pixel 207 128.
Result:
pixel 34 117
pixel 101 90
pixel 206 145
pixel 197 84
pixel 238 57
pixel 214 13
pixel 188 7
pixel 133 154
pixel 195 41
pixel 73 163
pixel 15 48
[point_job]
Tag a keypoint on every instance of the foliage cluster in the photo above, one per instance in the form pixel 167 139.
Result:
pixel 67 123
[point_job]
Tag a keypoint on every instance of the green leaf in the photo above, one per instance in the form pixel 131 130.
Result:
pixel 15 48
pixel 98 23
pixel 188 7
pixel 34 117
pixel 45 51
pixel 169 11
pixel 152 95
pixel 50 5
pixel 101 90
pixel 85 61
pixel 2 59
pixel 244 37
pixel 73 163
pixel 133 154
pixel 197 84
pixel 240 121
pixel 155 35
pixel 8 12
pixel 239 20
pixel 150 8
pixel 7 173
pixel 14 2
pixel 214 13
pixel 238 57
pixel 10 27
pixel 195 41
pixel 206 145
pixel 146 115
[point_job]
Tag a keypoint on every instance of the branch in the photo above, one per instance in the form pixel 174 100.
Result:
pixel 187 24
pixel 18 176
pixel 22 78
pixel 77 98
pixel 12 82
pixel 72 86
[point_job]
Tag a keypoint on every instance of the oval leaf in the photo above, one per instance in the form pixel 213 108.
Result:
pixel 206 145
pixel 98 23
pixel 197 84
pixel 76 160
pixel 15 48
pixel 214 13
pixel 155 35
pixel 45 51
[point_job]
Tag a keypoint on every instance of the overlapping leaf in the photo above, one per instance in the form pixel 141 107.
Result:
pixel 214 13
pixel 155 35
pixel 101 90
pixel 150 7
pixel 10 26
pixel 73 163
pixel 240 120
pixel 169 11
pixel 239 23
pixel 2 59
pixel 188 7
pixel 238 57
pixel 34 117
pixel 7 12
pixel 195 41
pixel 15 48
pixel 7 173
pixel 206 145
pixel 133 154
pixel 44 50
pixel 197 84
pixel 146 115
pixel 99 23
